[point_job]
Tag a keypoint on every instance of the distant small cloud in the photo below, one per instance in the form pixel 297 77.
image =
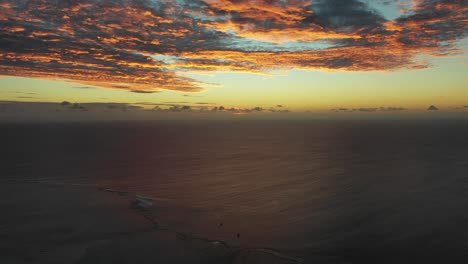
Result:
pixel 118 86
pixel 178 108
pixel 273 110
pixel 432 108
pixel 257 109
pixel 145 103
pixel 16 92
pixel 341 109
pixel 370 109
pixel 234 110
pixel 68 110
pixel 390 109
pixel 189 95
pixel 367 109
pixel 84 87
pixel 279 106
pixel 142 91
pixel 75 106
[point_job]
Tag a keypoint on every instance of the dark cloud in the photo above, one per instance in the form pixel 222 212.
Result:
pixel 341 110
pixel 121 86
pixel 392 109
pixel 432 108
pixel 143 92
pixel 367 109
pixel 257 109
pixel 84 87
pixel 347 16
pixel 278 109
pixel 178 108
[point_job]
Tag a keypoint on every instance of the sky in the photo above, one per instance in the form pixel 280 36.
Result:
pixel 272 55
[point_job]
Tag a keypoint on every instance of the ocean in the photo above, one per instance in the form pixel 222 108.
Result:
pixel 357 190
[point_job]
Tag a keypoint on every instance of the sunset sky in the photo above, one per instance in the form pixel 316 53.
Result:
pixel 300 55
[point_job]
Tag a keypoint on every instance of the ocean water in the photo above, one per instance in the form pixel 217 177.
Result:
pixel 358 190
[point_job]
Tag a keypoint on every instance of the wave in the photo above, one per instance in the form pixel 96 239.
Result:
pixel 147 206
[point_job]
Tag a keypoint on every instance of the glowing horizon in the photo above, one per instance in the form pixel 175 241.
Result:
pixel 301 54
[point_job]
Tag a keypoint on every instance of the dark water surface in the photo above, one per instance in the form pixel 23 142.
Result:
pixel 358 190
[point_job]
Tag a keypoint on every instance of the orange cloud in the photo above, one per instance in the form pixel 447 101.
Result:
pixel 123 44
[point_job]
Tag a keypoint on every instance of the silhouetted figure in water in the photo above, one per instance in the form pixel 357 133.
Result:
pixel 238 235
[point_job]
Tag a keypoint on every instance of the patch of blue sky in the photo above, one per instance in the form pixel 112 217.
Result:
pixel 168 59
pixel 390 9
pixel 246 44
pixel 209 18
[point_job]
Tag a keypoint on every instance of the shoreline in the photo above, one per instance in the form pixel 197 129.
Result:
pixel 132 225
